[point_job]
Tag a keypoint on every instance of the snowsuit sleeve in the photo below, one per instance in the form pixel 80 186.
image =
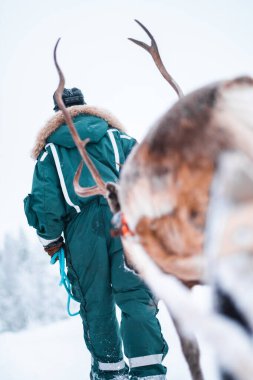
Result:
pixel 127 143
pixel 45 206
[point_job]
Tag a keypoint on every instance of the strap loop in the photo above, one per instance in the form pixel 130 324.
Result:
pixel 59 255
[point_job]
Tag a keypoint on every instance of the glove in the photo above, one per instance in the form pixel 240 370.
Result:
pixel 54 247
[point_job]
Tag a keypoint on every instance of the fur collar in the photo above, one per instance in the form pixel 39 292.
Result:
pixel 58 119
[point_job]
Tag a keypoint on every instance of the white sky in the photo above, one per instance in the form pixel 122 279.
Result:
pixel 200 41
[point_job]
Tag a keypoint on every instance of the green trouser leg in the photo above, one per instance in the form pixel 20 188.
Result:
pixel 143 342
pixel 89 273
pixel 99 279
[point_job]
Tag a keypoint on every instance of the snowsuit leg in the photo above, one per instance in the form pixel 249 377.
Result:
pixel 89 274
pixel 143 342
pixel 99 279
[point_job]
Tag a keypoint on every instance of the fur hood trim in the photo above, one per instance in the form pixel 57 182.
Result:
pixel 58 119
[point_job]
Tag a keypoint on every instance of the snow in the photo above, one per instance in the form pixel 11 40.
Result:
pixel 57 352
pixel 54 351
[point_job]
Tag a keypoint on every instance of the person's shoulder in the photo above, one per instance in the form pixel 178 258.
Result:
pixel 126 136
pixel 45 155
pixel 122 135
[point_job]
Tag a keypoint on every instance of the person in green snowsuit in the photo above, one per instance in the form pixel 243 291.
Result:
pixel 94 258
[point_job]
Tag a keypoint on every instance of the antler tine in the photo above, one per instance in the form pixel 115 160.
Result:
pixel 100 188
pixel 143 44
pixel 84 191
pixel 154 52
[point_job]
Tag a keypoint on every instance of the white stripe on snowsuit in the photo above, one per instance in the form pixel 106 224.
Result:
pixel 111 366
pixel 44 155
pixel 152 377
pixel 61 178
pixel 115 148
pixel 125 137
pixel 141 361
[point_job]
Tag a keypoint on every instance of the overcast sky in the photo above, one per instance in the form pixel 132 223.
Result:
pixel 200 41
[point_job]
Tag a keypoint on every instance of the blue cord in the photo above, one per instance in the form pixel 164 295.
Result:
pixel 64 278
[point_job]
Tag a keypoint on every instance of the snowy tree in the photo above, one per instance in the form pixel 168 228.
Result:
pixel 29 292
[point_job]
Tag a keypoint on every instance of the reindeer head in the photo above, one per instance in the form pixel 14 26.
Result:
pixel 166 183
pixel 164 189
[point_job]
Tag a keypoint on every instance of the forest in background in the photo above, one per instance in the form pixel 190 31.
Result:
pixel 29 291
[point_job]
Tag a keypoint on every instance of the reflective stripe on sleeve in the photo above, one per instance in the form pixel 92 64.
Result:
pixel 126 137
pixel 111 366
pixel 141 361
pixel 61 178
pixel 45 242
pixel 44 155
pixel 115 148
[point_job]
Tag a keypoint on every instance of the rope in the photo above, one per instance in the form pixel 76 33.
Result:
pixel 64 278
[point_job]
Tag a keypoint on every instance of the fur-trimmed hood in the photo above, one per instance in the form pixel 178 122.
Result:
pixel 58 119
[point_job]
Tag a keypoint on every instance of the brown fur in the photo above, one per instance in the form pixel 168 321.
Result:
pixel 172 239
pixel 178 158
pixel 173 170
pixel 187 132
pixel 58 119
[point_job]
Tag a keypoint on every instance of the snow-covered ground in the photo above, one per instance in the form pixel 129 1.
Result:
pixel 57 352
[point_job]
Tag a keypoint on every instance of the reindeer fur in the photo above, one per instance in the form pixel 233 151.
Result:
pixel 165 184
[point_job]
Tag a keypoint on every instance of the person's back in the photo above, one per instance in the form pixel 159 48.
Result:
pixel 95 260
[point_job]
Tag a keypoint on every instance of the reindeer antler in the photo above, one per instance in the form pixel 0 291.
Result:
pixel 100 189
pixel 153 50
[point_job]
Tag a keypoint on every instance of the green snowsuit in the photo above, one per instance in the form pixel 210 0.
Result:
pixel 94 259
